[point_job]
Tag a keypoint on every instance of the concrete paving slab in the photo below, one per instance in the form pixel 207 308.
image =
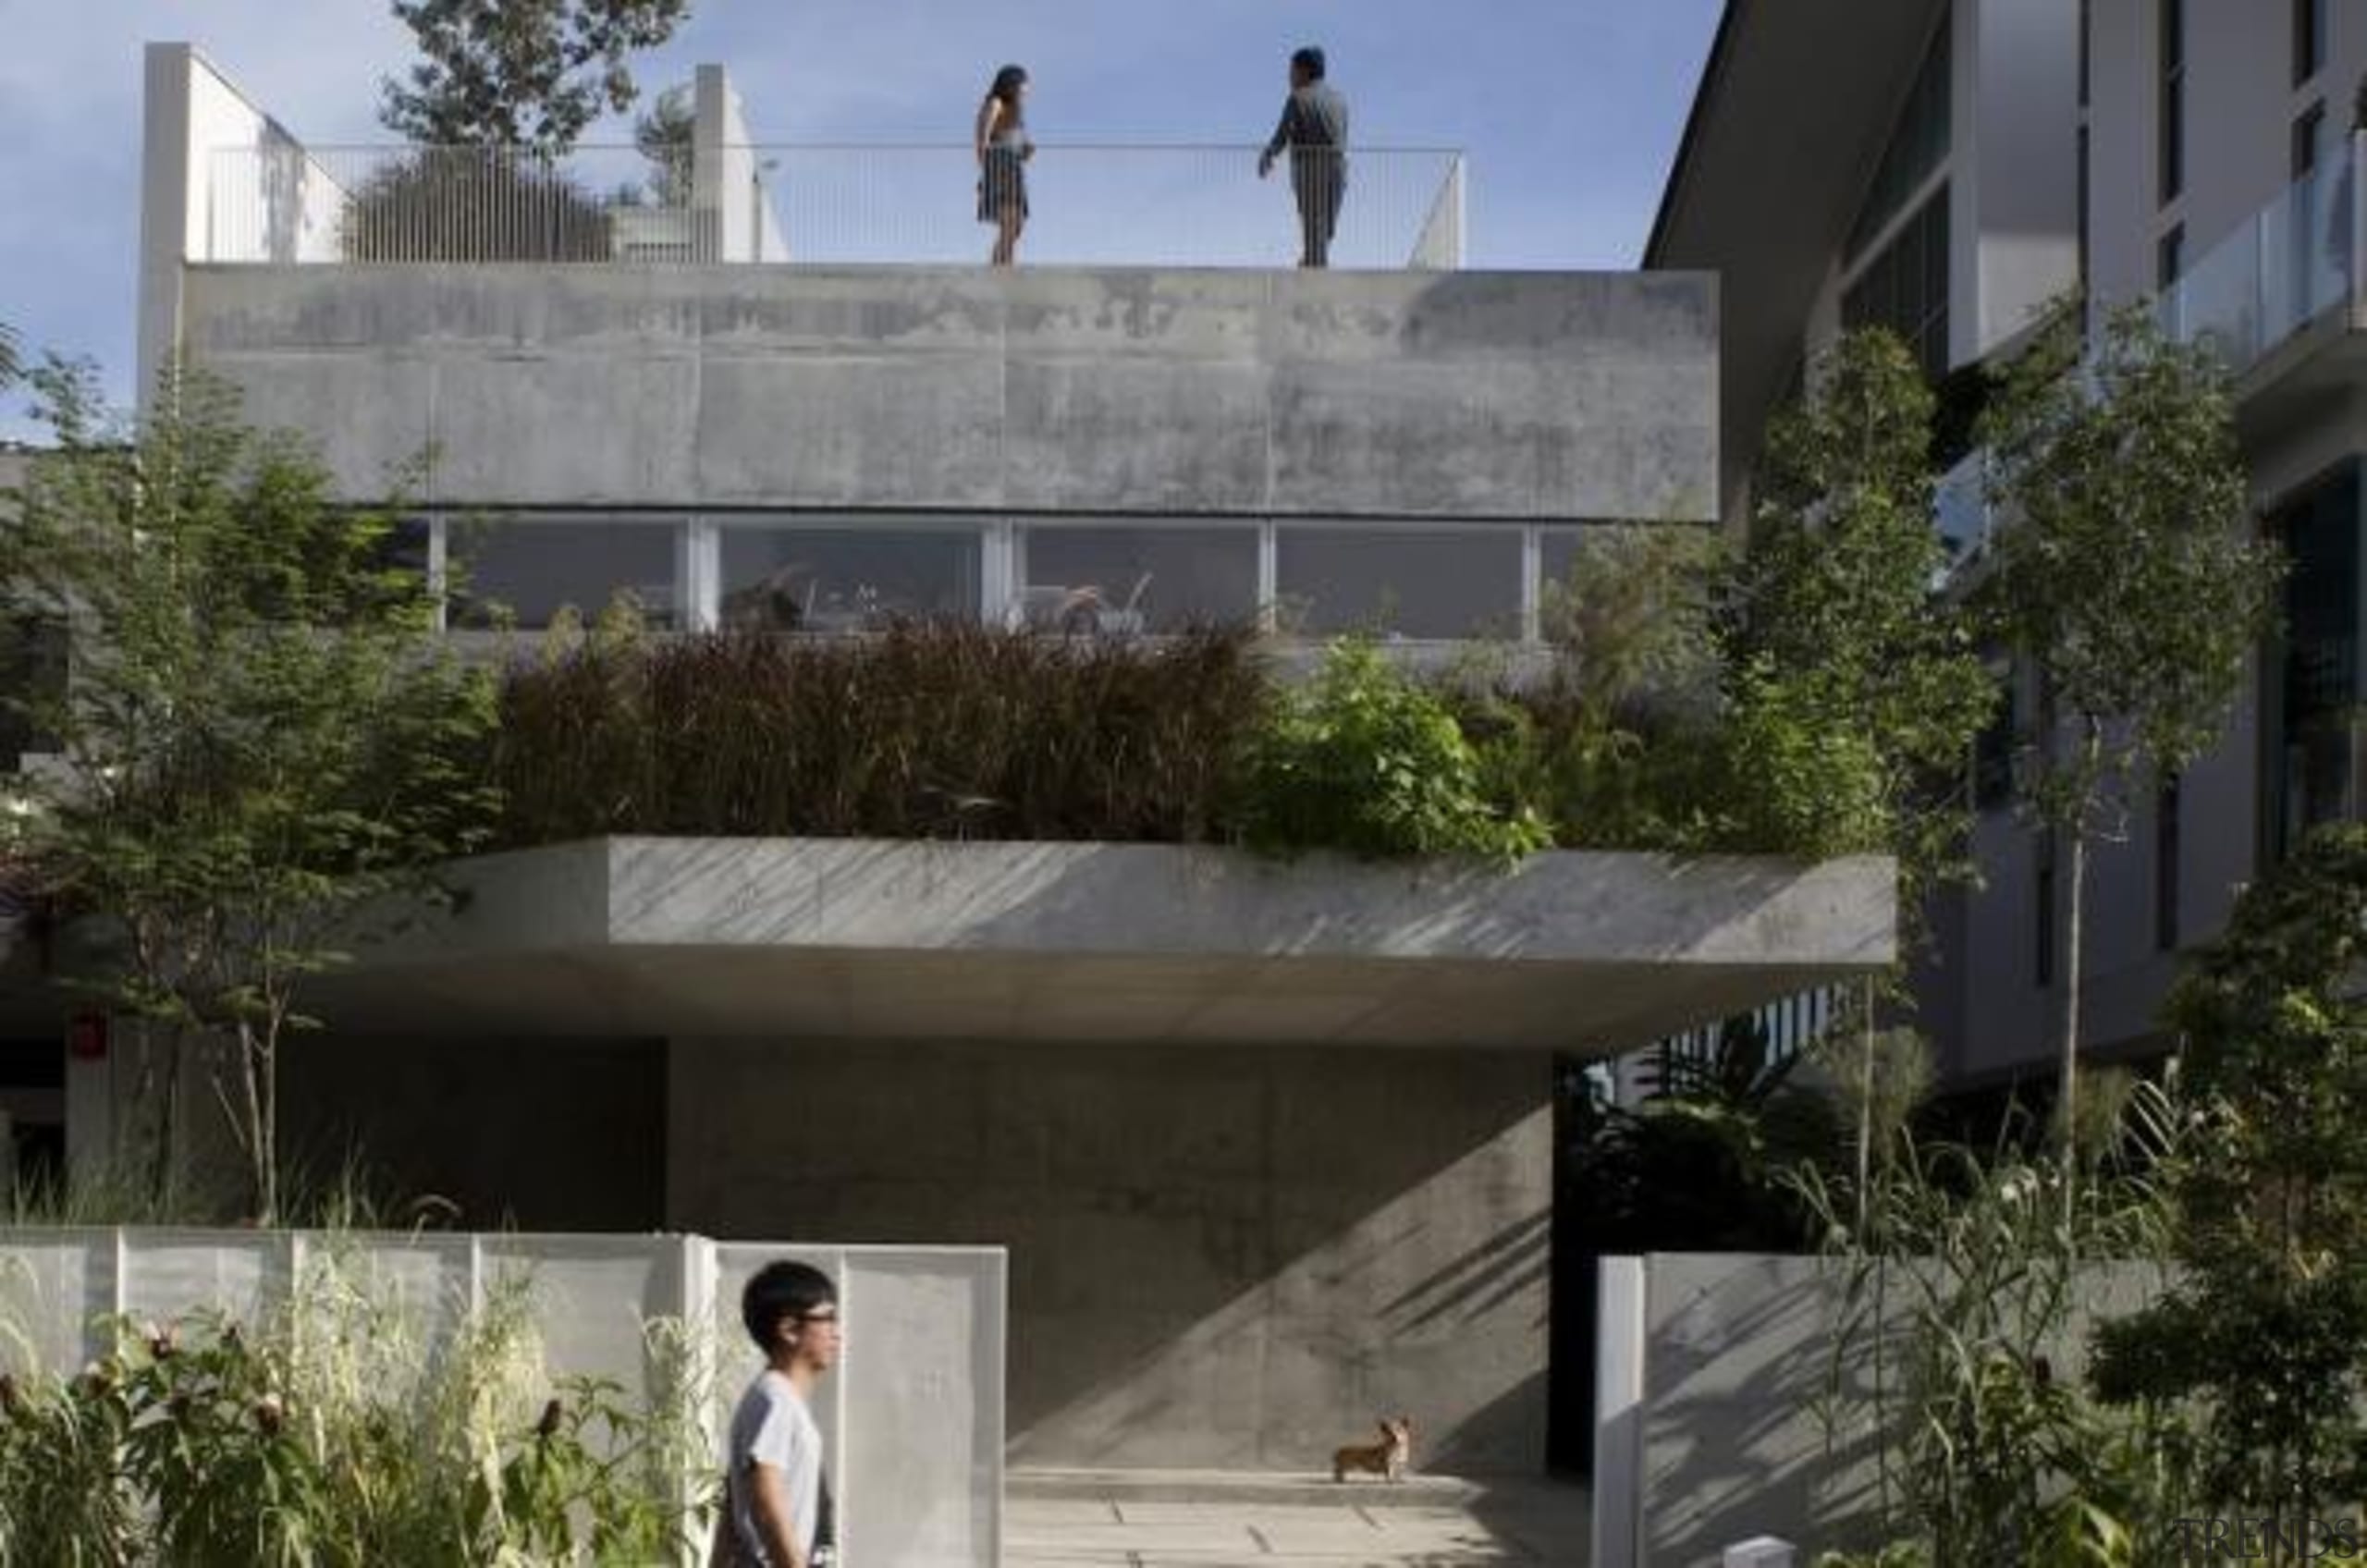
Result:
pixel 1202 1519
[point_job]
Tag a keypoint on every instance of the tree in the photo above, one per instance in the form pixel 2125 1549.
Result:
pixel 263 740
pixel 1851 681
pixel 667 136
pixel 520 73
pixel 11 365
pixel 2126 579
pixel 2265 1327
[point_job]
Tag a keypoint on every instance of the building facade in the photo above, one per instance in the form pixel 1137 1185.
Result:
pixel 1970 162
pixel 1270 1144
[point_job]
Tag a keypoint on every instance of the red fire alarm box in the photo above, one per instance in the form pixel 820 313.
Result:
pixel 86 1037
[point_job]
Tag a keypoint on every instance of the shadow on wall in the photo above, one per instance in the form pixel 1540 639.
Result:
pixel 1221 1258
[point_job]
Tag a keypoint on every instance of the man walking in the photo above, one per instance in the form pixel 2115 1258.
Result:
pixel 776 1500
pixel 1314 130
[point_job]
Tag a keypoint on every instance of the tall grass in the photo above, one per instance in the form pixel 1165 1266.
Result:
pixel 931 731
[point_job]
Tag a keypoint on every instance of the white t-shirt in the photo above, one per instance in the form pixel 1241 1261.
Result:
pixel 773 1427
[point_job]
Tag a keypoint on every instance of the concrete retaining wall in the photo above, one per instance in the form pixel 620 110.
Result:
pixel 1713 1370
pixel 1518 395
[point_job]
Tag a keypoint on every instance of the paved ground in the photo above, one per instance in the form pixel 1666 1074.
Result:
pixel 1177 1520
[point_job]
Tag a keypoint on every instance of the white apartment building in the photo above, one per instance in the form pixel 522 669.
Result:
pixel 1954 168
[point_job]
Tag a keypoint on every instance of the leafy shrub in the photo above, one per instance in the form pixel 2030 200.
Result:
pixel 931 731
pixel 1364 758
pixel 328 1435
pixel 1796 779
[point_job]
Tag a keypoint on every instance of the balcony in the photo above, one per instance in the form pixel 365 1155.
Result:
pixel 2295 265
pixel 277 201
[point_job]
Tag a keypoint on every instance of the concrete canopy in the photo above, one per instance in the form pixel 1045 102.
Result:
pixel 853 940
pixel 1766 212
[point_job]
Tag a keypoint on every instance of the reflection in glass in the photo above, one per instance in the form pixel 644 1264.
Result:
pixel 529 568
pixel 833 580
pixel 1122 581
pixel 1400 583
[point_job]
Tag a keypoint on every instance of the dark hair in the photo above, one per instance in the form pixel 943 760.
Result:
pixel 782 1290
pixel 1006 86
pixel 1310 59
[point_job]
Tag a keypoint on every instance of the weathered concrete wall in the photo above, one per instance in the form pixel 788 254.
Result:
pixel 1219 1257
pixel 1736 1357
pixel 1535 394
pixel 546 1136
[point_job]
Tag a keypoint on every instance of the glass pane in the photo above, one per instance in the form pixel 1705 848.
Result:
pixel 1128 580
pixel 846 579
pixel 1464 584
pixel 530 568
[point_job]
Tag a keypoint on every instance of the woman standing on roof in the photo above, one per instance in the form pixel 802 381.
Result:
pixel 1005 147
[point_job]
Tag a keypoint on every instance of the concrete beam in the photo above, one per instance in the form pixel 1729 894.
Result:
pixel 865 938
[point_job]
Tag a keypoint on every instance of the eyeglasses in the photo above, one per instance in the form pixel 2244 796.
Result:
pixel 828 1314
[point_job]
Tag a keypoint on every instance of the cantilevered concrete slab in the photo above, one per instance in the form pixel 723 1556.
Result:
pixel 852 939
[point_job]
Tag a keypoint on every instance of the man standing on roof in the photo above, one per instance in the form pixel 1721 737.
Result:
pixel 1314 130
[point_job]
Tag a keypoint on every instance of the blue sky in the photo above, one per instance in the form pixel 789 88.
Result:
pixel 1570 109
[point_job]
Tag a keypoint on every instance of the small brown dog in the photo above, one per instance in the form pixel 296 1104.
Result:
pixel 1387 1458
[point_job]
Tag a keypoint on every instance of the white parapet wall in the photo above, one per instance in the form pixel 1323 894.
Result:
pixel 913 1420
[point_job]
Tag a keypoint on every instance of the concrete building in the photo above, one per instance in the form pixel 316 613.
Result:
pixel 1270 1143
pixel 1960 165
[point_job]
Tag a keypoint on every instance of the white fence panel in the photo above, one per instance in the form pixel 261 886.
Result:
pixel 912 1422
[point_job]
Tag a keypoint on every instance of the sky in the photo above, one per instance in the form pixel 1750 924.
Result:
pixel 1569 110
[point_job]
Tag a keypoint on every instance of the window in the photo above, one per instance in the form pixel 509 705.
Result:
pixel 1129 579
pixel 2169 257
pixel 528 569
pixel 1429 584
pixel 2314 696
pixel 787 578
pixel 2043 909
pixel 2170 154
pixel 2309 136
pixel 2087 35
pixel 32 666
pixel 2079 150
pixel 1906 287
pixel 1919 145
pixel 1993 749
pixel 2168 808
pixel 2309 39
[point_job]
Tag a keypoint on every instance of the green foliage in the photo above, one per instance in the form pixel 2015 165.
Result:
pixel 1619 746
pixel 2129 577
pixel 1366 759
pixel 1960 1274
pixel 1700 1166
pixel 667 136
pixel 262 738
pixel 328 1436
pixel 2263 1336
pixel 928 730
pixel 526 73
pixel 1801 779
pixel 1855 688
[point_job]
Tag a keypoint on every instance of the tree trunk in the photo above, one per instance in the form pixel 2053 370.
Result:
pixel 1865 1116
pixel 2067 1106
pixel 164 1119
pixel 262 1162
